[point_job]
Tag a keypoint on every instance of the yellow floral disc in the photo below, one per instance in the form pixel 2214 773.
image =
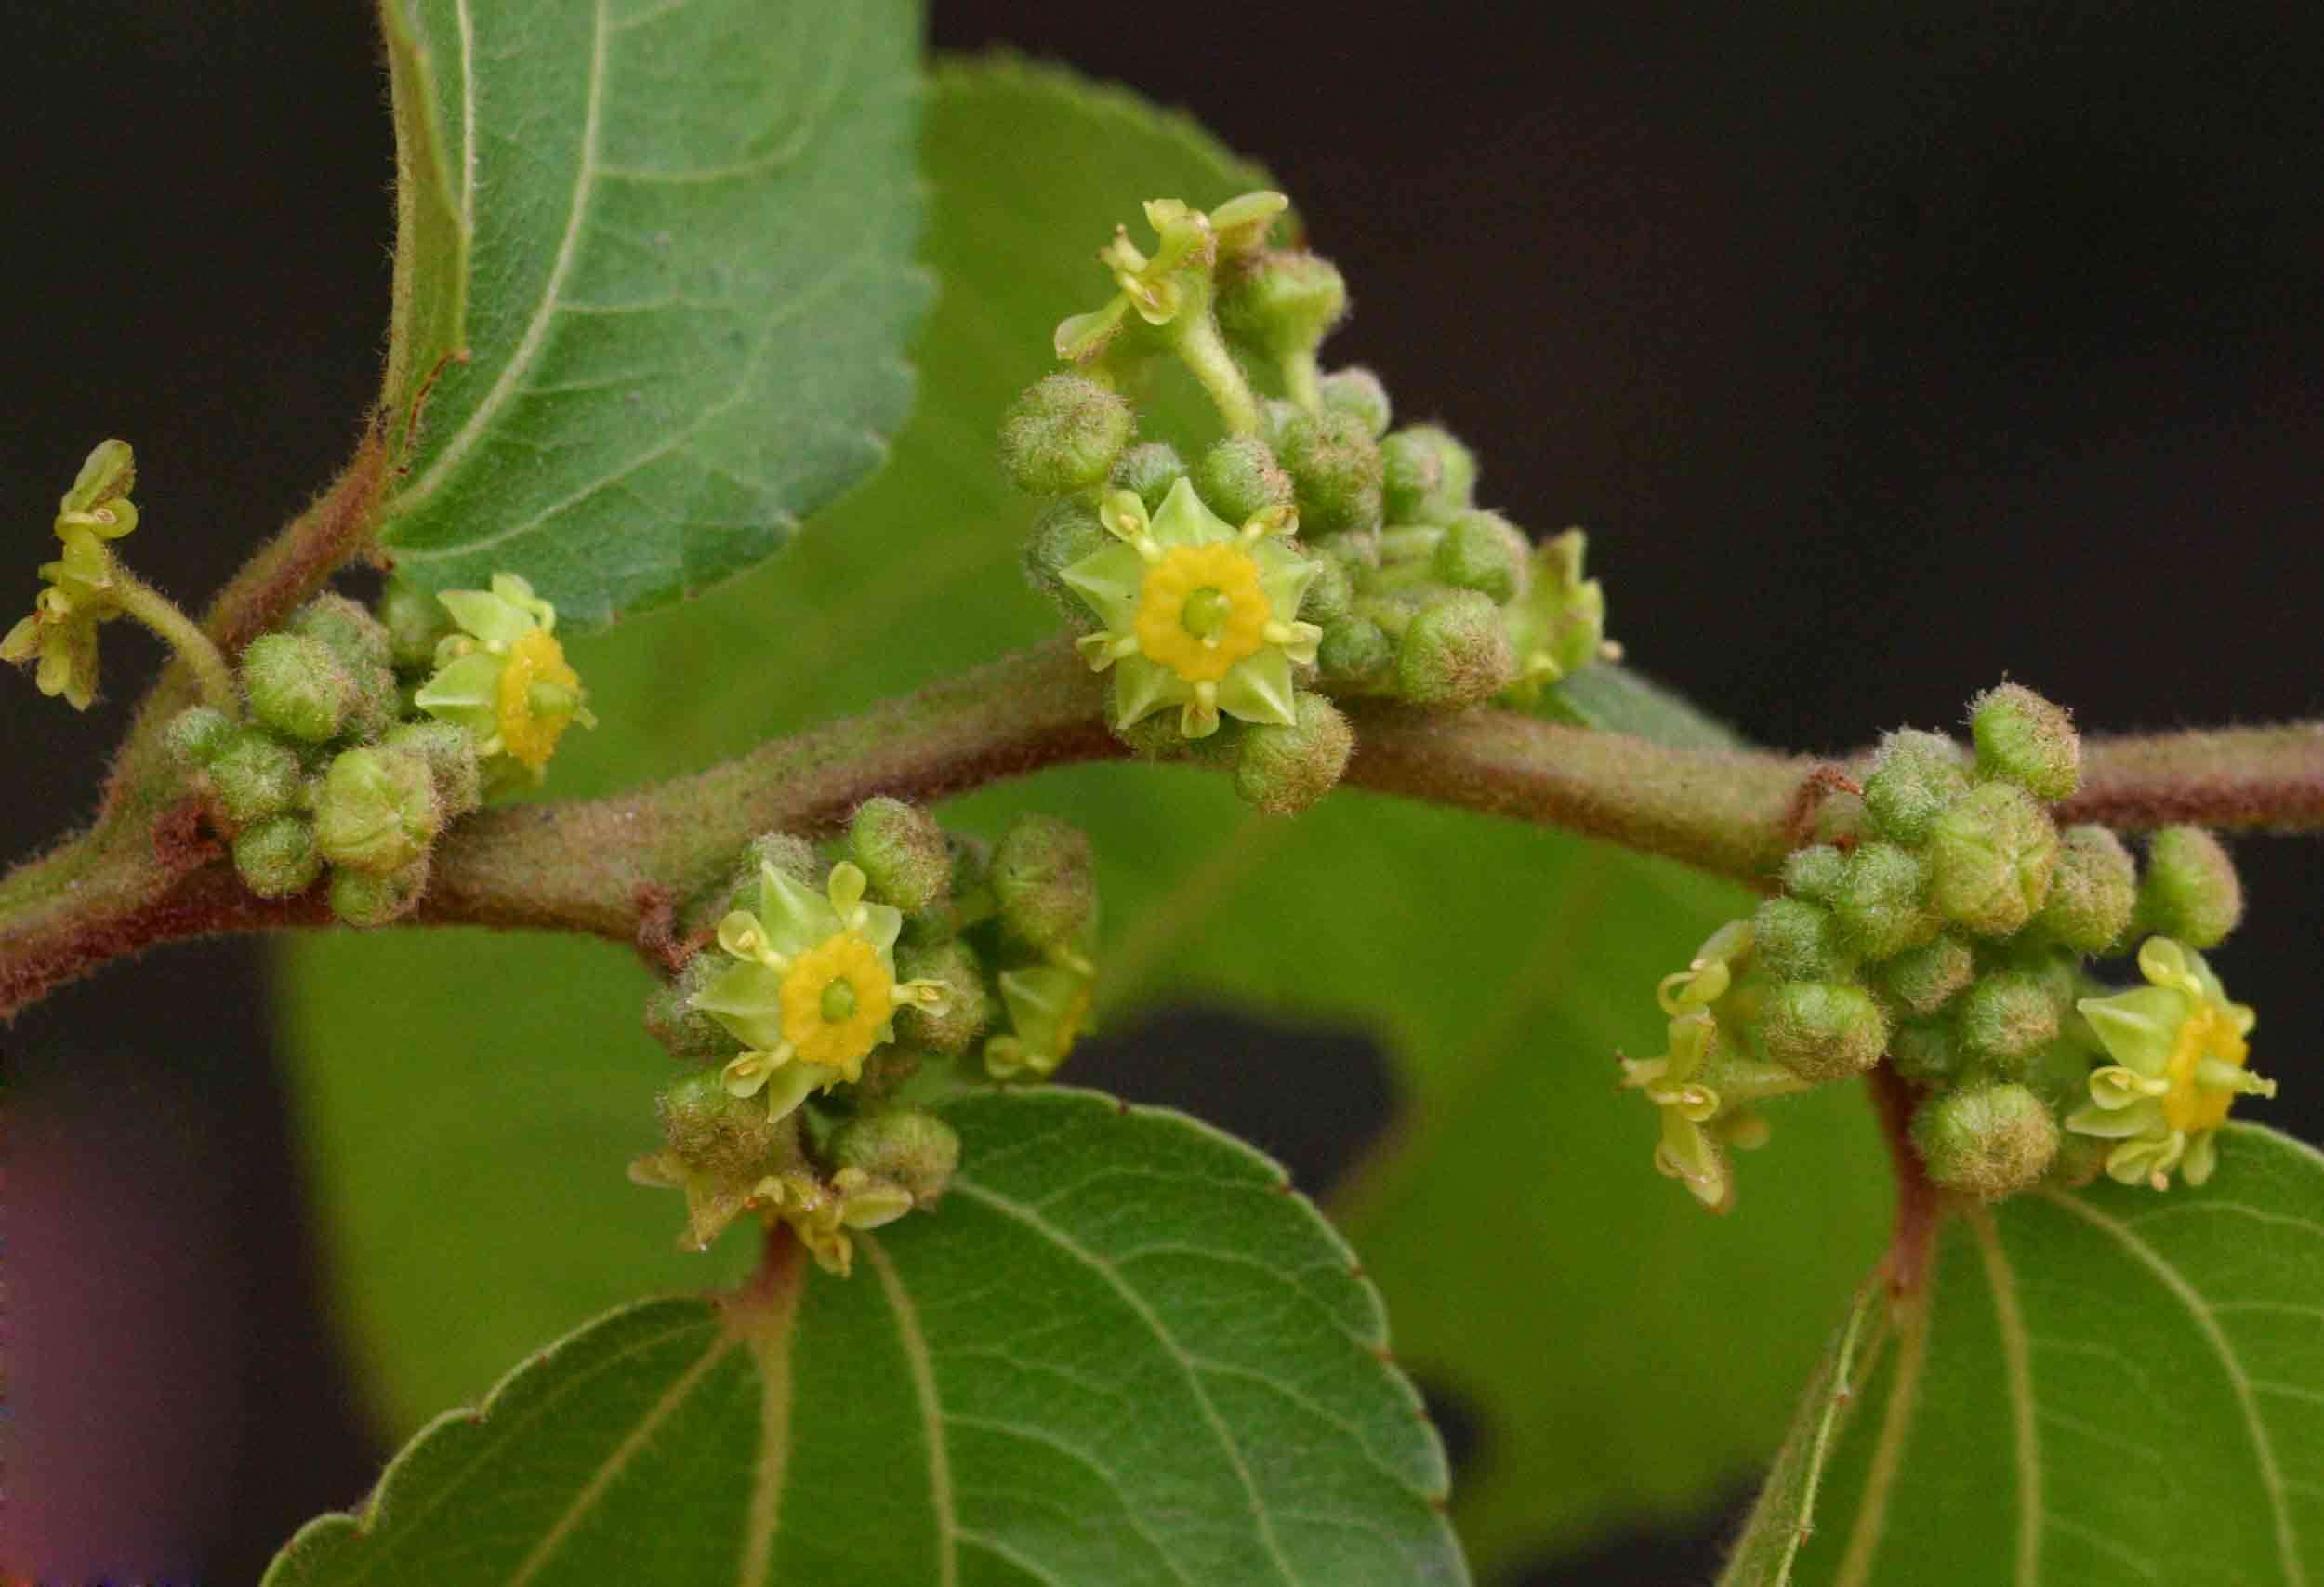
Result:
pixel 841 1043
pixel 1241 613
pixel 2208 1033
pixel 529 735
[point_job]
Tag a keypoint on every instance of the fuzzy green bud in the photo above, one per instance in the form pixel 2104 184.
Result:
pixel 966 1007
pixel 1063 434
pixel 1795 940
pixel 902 854
pixel 354 635
pixel 1915 777
pixel 2190 891
pixel 1816 872
pixel 1357 390
pixel 903 1146
pixel 1990 859
pixel 417 622
pixel 1484 552
pixel 277 857
pixel 1240 479
pixel 2007 1017
pixel 1045 879
pixel 1282 303
pixel 2092 890
pixel 1281 771
pixel 1330 593
pixel 450 752
pixel 371 898
pixel 1455 653
pixel 1822 1030
pixel 672 1020
pixel 1149 471
pixel 1988 1140
pixel 714 1132
pixel 1354 652
pixel 1883 900
pixel 198 736
pixel 1335 469
pixel 296 686
pixel 1063 534
pixel 1427 476
pixel 255 776
pixel 1924 979
pixel 793 856
pixel 2028 740
pixel 1927 1051
pixel 376 811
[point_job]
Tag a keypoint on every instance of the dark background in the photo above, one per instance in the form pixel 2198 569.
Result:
pixel 1885 354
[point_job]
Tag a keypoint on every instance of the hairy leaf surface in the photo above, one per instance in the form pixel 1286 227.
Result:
pixel 1177 1378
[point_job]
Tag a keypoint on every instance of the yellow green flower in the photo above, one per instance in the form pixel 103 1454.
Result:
pixel 1196 612
pixel 504 676
pixel 2179 1053
pixel 62 632
pixel 1703 1085
pixel 1049 1009
pixel 1175 278
pixel 814 990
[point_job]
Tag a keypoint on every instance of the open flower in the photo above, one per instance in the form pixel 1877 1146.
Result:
pixel 1049 1009
pixel 814 990
pixel 62 632
pixel 1176 277
pixel 1198 613
pixel 2179 1052
pixel 504 676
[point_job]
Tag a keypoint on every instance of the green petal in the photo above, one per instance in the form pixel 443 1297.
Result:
pixel 2138 1027
pixel 1142 688
pixel 23 641
pixel 465 692
pixel 796 917
pixel 2142 1118
pixel 1110 581
pixel 746 999
pixel 1258 688
pixel 1082 334
pixel 1184 520
pixel 486 615
pixel 880 925
pixel 2202 1156
pixel 1284 575
pixel 789 1086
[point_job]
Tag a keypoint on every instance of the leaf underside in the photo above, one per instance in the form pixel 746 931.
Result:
pixel 1180 1380
pixel 655 284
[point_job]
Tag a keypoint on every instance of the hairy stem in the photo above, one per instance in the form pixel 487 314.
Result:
pixel 159 613
pixel 613 866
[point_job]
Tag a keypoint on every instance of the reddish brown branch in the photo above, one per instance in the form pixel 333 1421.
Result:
pixel 1918 1205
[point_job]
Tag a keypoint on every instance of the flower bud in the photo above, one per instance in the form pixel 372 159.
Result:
pixel 1924 979
pixel 716 1133
pixel 954 1023
pixel 353 635
pixel 277 857
pixel 1240 479
pixel 2007 1017
pixel 198 736
pixel 1822 1030
pixel 2028 740
pixel 1045 880
pixel 450 754
pixel 255 776
pixel 1799 941
pixel 1357 390
pixel 1149 471
pixel 1354 652
pixel 1063 434
pixel 1484 552
pixel 791 856
pixel 1987 1139
pixel 2190 891
pixel 1990 859
pixel 1281 303
pixel 902 853
pixel 376 811
pixel 369 898
pixel 1927 1051
pixel 1427 475
pixel 1455 653
pixel 416 622
pixel 1883 900
pixel 1331 595
pixel 1915 777
pixel 1064 533
pixel 1281 771
pixel 1814 873
pixel 903 1146
pixel 2092 890
pixel 672 1020
pixel 296 686
pixel 1335 470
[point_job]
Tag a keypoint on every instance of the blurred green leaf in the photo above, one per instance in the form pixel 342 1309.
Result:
pixel 673 243
pixel 1182 1381
pixel 1533 1260
pixel 2101 1385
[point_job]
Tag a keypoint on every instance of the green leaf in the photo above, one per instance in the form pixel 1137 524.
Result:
pixel 1182 1381
pixel 673 243
pixel 2104 1385
pixel 1502 966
